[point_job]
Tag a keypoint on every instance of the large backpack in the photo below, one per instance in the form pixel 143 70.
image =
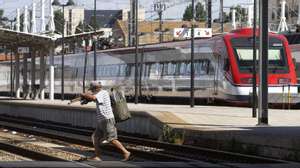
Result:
pixel 119 104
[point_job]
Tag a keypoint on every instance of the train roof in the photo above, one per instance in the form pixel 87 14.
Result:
pixel 186 43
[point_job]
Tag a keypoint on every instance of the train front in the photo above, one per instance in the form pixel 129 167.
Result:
pixel 282 79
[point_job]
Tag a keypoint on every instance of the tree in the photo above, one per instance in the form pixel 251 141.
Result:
pixel 70 3
pixel 93 24
pixel 200 13
pixel 56 3
pixel 241 14
pixel 59 21
pixel 2 18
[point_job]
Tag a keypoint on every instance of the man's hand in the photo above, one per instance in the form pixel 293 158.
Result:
pixel 88 96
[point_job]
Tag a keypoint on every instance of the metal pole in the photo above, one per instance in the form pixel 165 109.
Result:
pixel 85 63
pixel 263 64
pixel 42 74
pixel 141 72
pixel 160 25
pixel 192 101
pixel 63 58
pixel 11 74
pixel 254 94
pixel 136 99
pixel 17 72
pixel 209 13
pixel 51 71
pixel 221 16
pixel 33 69
pixel 25 78
pixel 95 40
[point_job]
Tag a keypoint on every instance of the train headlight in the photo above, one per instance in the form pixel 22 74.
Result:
pixel 284 81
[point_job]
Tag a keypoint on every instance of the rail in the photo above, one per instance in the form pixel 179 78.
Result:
pixel 155 150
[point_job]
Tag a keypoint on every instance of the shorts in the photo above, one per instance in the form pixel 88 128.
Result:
pixel 106 130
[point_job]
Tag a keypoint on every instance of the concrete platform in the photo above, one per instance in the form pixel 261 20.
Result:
pixel 226 128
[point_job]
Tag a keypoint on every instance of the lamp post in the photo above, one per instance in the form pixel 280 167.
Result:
pixel 95 40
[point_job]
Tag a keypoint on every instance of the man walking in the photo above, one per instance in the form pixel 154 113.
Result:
pixel 106 131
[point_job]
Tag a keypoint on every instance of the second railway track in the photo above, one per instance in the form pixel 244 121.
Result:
pixel 148 149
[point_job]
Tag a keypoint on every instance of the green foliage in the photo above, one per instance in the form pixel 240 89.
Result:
pixel 2 19
pixel 200 13
pixel 59 20
pixel 56 3
pixel 171 135
pixel 70 3
pixel 241 14
pixel 93 24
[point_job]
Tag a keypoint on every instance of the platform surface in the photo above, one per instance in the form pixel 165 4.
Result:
pixel 199 116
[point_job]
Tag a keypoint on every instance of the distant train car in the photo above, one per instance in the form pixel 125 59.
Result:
pixel 223 69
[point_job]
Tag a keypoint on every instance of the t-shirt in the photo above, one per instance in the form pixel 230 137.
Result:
pixel 104 110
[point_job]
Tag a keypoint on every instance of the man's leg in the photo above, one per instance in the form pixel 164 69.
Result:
pixel 96 143
pixel 119 145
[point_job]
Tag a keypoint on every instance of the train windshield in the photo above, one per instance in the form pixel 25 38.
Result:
pixel 244 54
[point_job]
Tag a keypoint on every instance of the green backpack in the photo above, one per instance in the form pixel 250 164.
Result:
pixel 119 104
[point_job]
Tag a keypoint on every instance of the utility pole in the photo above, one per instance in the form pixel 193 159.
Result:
pixel 192 101
pixel 160 25
pixel 254 93
pixel 263 64
pixel 221 16
pixel 209 13
pixel 136 99
pixel 95 40
pixel 159 7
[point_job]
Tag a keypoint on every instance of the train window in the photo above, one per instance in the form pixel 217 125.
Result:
pixel 244 55
pixel 122 70
pixel 171 68
pixel 182 68
pixel 146 70
pixel 155 70
pixel 128 70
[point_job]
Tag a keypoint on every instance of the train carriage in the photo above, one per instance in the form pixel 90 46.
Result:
pixel 223 69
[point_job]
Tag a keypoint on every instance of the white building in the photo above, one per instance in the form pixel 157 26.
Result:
pixel 73 15
pixel 141 14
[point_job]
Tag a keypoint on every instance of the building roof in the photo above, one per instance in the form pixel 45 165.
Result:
pixel 105 18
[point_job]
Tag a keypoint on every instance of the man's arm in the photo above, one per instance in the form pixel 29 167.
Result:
pixel 88 96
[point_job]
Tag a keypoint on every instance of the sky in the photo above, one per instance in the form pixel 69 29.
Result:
pixel 174 12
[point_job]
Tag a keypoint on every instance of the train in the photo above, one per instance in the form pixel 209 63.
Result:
pixel 223 70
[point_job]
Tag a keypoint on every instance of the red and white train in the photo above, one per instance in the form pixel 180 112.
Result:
pixel 223 69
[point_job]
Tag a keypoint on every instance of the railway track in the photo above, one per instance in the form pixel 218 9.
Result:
pixel 27 153
pixel 148 149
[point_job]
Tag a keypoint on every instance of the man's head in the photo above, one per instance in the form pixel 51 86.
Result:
pixel 95 86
